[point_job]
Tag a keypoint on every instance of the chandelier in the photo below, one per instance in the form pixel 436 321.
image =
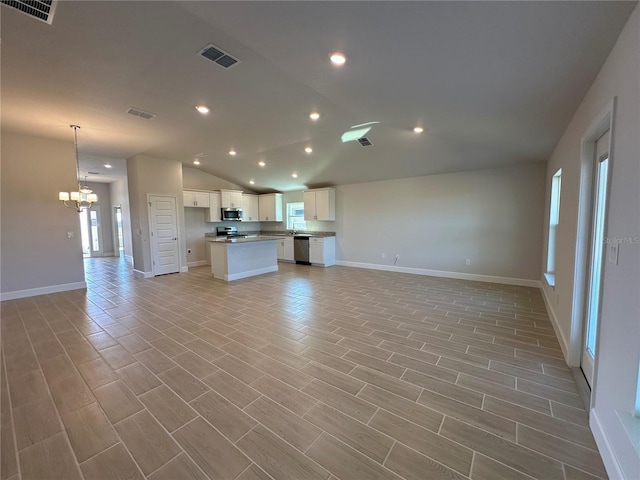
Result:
pixel 84 197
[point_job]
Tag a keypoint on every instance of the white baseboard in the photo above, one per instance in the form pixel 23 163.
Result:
pixel 197 263
pixel 523 282
pixel 611 464
pixel 184 269
pixel 128 258
pixel 251 273
pixel 141 274
pixel 32 292
pixel 562 340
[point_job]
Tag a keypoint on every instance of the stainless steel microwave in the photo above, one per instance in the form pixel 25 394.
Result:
pixel 231 214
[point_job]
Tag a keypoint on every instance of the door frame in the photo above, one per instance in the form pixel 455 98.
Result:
pixel 97 208
pixel 601 123
pixel 180 226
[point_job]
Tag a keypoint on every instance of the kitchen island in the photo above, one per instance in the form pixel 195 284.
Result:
pixel 236 258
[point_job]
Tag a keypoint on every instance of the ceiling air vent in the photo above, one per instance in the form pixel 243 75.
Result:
pixel 93 173
pixel 219 56
pixel 364 141
pixel 141 113
pixel 43 10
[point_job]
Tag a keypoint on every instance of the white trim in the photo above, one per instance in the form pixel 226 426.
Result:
pixel 184 269
pixel 251 273
pixel 562 340
pixel 141 274
pixel 609 458
pixel 32 292
pixel 197 263
pixel 128 258
pixel 604 121
pixel 523 282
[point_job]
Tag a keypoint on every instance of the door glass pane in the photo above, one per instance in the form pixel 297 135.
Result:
pixel 84 232
pixel 95 238
pixel 597 252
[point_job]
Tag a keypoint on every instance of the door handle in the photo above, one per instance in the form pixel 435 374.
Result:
pixel 175 238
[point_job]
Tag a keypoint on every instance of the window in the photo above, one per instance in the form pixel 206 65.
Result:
pixel 295 216
pixel 554 220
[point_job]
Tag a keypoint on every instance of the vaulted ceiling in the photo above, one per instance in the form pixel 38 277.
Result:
pixel 492 83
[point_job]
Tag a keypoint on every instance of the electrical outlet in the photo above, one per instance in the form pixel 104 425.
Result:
pixel 70 235
pixel 468 261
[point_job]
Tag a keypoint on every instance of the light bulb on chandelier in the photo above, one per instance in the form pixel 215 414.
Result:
pixel 84 197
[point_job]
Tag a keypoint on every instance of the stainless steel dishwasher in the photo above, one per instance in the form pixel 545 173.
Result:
pixel 301 249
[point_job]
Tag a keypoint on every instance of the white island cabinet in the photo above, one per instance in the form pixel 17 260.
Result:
pixel 320 204
pixel 243 257
pixel 322 251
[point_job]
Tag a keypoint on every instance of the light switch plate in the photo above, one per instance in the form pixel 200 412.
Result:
pixel 612 252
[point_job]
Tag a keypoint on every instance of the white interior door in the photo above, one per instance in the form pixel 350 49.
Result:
pixel 164 235
pixel 596 258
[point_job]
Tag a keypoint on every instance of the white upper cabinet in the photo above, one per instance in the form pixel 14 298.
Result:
pixel 193 198
pixel 231 198
pixel 250 208
pixel 320 204
pixel 213 214
pixel 270 207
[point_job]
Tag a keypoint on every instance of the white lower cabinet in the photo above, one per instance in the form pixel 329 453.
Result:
pixel 322 251
pixel 285 250
pixel 288 249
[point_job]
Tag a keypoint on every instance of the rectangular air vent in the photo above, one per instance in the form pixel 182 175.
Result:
pixel 219 56
pixel 93 173
pixel 141 113
pixel 364 141
pixel 43 10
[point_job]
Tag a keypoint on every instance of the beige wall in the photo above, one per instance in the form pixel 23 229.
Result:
pixel 618 353
pixel 35 251
pixel 196 179
pixel 492 217
pixel 152 176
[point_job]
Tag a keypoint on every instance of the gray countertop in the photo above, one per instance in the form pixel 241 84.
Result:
pixel 258 238
pixel 279 234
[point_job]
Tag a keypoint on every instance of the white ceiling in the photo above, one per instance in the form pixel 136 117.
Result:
pixel 493 83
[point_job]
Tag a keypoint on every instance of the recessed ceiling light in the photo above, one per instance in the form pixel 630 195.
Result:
pixel 314 116
pixel 418 129
pixel 106 165
pixel 252 182
pixel 232 152
pixel 196 162
pixel 337 58
pixel 308 149
pixel 294 175
pixel 261 163
pixel 202 109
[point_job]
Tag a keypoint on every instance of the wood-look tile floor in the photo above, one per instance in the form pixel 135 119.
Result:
pixel 307 373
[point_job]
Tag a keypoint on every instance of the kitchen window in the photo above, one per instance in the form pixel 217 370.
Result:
pixel 295 216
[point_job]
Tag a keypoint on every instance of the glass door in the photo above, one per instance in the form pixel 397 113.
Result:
pixel 598 221
pixel 91 232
